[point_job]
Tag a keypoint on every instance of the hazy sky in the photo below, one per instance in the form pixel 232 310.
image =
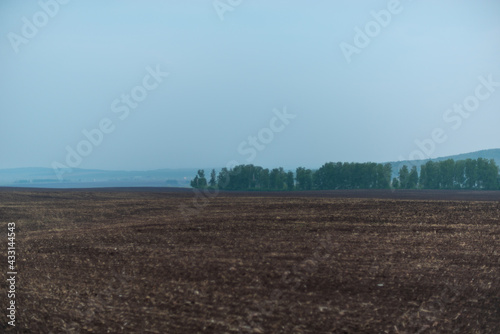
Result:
pixel 359 81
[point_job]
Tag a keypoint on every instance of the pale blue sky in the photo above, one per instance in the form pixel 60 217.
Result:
pixel 226 77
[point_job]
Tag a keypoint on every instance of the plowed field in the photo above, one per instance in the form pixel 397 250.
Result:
pixel 134 262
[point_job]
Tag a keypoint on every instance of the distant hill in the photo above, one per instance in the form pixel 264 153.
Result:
pixel 485 154
pixel 83 178
pixel 93 178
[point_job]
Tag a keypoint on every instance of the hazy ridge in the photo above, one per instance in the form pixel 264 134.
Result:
pixel 485 154
pixel 83 178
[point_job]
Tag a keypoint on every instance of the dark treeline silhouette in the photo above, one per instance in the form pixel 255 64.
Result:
pixel 448 174
pixel 352 176
pixel 246 177
pixel 329 176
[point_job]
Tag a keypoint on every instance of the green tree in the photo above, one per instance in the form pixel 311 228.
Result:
pixel 384 173
pixel 487 173
pixel 195 182
pixel 213 179
pixel 446 174
pixel 264 179
pixel 199 180
pixel 304 179
pixel 459 174
pixel 404 175
pixel 202 181
pixel 413 178
pixel 470 173
pixel 429 175
pixel 290 181
pixel 223 179
pixel 395 183
pixel 277 179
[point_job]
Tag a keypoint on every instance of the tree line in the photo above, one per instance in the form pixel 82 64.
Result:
pixel 329 176
pixel 448 174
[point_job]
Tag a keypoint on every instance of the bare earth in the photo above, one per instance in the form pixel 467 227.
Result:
pixel 129 261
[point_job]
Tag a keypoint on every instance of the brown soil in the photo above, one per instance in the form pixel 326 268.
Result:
pixel 156 261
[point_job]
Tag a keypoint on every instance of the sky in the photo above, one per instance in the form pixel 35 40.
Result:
pixel 142 85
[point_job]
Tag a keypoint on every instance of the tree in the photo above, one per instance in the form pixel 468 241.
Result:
pixel 384 173
pixel 202 181
pixel 277 179
pixel 459 174
pixel 290 182
pixel 223 179
pixel 199 180
pixel 491 181
pixel 429 175
pixel 404 176
pixel 395 183
pixel 264 179
pixel 308 182
pixel 304 179
pixel 195 182
pixel 349 176
pixel 326 177
pixel 413 178
pixel 470 173
pixel 487 172
pixel 446 174
pixel 213 179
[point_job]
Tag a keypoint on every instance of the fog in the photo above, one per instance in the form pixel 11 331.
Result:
pixel 139 85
